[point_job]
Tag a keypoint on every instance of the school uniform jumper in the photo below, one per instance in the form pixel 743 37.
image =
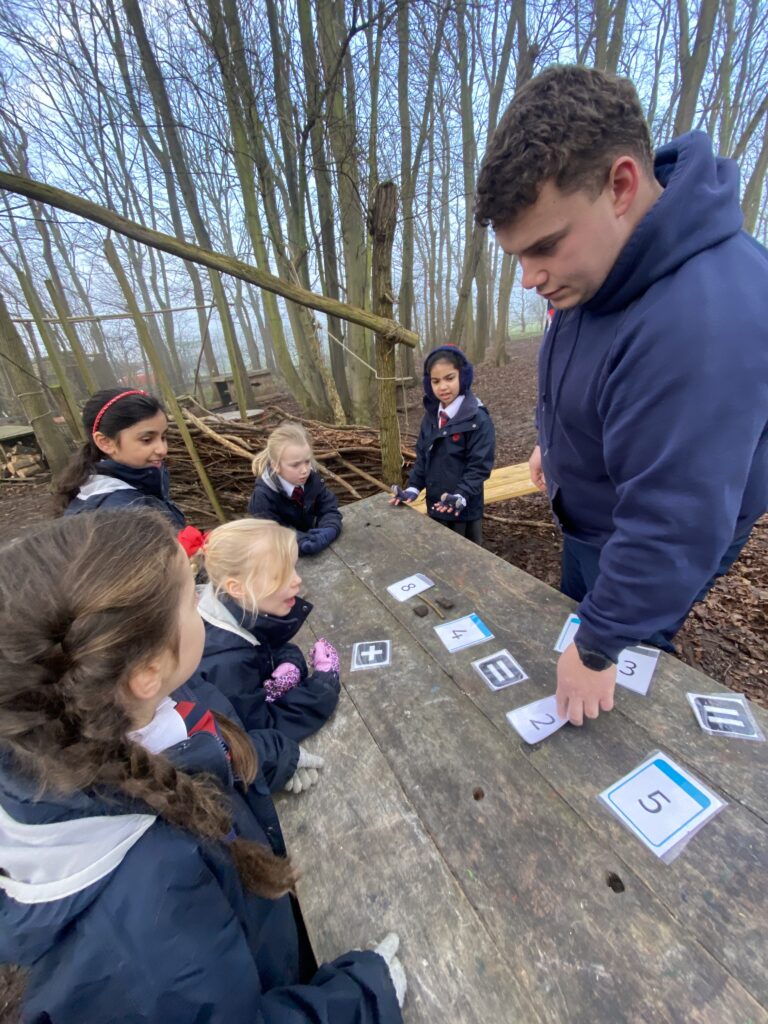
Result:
pixel 457 458
pixel 653 408
pixel 122 917
pixel 242 650
pixel 113 485
pixel 315 518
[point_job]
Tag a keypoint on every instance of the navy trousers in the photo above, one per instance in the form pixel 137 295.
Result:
pixel 581 564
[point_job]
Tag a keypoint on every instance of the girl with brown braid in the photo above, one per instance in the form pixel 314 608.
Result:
pixel 143 875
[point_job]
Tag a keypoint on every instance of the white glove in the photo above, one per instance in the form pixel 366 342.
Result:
pixel 306 774
pixel 387 949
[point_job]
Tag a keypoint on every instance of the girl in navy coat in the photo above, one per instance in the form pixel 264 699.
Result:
pixel 456 446
pixel 123 461
pixel 144 876
pixel 252 610
pixel 290 490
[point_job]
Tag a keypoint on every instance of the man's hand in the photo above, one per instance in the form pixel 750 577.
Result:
pixel 537 473
pixel 580 691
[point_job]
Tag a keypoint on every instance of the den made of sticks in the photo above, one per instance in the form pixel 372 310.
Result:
pixel 271 214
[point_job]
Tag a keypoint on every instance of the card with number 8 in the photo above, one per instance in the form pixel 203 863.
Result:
pixel 410 586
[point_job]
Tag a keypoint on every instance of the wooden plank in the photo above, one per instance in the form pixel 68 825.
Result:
pixel 370 867
pixel 503 483
pixel 526 616
pixel 718 888
pixel 535 872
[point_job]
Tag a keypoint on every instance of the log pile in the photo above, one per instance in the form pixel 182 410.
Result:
pixel 23 462
pixel 349 459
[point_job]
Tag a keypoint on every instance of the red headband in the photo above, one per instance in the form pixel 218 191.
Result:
pixel 103 409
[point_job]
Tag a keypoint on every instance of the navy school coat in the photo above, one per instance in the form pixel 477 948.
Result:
pixel 238 657
pixel 124 918
pixel 319 511
pixel 456 459
pixel 114 485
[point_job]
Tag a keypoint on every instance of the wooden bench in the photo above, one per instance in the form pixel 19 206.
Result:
pixel 517 897
pixel 503 483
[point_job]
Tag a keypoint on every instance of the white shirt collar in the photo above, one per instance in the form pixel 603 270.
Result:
pixel 452 409
pixel 288 488
pixel 166 729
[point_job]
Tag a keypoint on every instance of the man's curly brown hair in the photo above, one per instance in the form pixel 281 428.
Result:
pixel 566 125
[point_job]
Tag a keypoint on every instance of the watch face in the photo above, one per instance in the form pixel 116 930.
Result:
pixel 594 660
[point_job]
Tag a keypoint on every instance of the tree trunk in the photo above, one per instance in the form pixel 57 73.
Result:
pixel 17 365
pixel 382 224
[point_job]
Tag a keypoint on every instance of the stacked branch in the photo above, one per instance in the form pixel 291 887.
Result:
pixel 349 459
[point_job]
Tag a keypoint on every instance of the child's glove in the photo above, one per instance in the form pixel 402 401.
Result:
pixel 398 494
pixel 316 540
pixel 305 775
pixel 283 679
pixel 324 657
pixel 450 503
pixel 387 949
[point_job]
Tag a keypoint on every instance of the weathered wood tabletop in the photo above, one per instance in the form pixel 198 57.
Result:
pixel 517 896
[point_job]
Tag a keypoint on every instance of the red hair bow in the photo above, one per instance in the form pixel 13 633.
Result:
pixel 191 539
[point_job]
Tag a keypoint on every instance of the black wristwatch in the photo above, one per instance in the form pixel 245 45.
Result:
pixel 594 660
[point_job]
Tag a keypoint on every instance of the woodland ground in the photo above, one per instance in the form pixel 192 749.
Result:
pixel 725 636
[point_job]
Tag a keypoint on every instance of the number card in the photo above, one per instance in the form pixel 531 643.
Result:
pixel 410 586
pixel 464 632
pixel 567 633
pixel 662 804
pixel 536 721
pixel 635 667
pixel 721 715
pixel 499 670
pixel 370 654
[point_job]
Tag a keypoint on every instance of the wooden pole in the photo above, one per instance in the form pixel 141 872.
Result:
pixel 63 200
pixel 161 377
pixel 29 391
pixel 75 417
pixel 382 228
pixel 74 342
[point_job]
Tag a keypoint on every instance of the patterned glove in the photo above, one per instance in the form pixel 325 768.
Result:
pixel 283 679
pixel 409 494
pixel 450 503
pixel 387 949
pixel 324 657
pixel 306 774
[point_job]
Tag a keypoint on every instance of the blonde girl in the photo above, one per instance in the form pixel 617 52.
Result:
pixel 142 874
pixel 252 609
pixel 289 490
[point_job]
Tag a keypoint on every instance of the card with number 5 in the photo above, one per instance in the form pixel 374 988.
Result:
pixel 662 804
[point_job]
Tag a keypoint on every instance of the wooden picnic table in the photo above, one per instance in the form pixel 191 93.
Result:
pixel 517 896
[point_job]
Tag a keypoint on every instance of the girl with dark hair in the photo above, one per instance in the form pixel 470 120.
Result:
pixel 456 446
pixel 143 874
pixel 123 461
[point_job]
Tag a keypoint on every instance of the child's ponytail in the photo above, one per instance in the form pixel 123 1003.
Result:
pixel 108 411
pixel 84 601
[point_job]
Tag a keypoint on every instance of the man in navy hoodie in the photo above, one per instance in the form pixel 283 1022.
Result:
pixel 652 412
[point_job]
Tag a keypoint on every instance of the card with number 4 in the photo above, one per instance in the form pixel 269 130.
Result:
pixel 662 804
pixel 536 721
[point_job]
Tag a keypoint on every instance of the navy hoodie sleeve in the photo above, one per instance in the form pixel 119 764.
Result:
pixel 481 452
pixel 678 447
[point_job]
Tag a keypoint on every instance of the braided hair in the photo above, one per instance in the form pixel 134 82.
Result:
pixel 84 601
